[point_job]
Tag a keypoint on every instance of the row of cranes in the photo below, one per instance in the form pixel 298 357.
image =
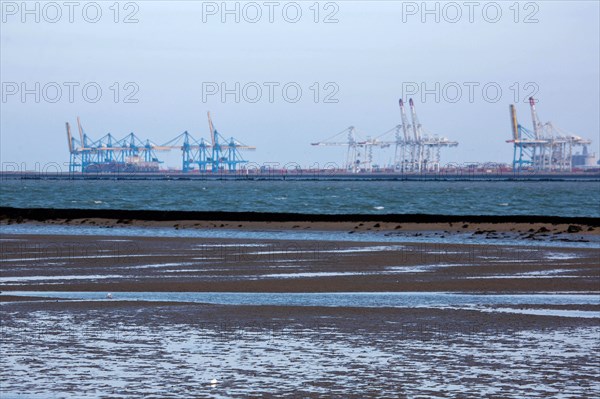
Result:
pixel 546 147
pixel 131 154
pixel 415 149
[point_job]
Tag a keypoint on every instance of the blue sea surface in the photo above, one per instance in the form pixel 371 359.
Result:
pixel 549 198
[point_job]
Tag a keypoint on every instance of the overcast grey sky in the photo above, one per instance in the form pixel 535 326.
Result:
pixel 177 52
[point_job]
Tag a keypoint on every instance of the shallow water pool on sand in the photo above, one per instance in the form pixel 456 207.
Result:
pixel 486 302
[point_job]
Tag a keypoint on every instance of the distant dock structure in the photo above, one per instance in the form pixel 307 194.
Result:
pixel 546 148
pixel 416 150
pixel 132 154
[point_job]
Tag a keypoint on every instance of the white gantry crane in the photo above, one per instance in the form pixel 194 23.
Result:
pixel 546 147
pixel 359 156
pixel 415 149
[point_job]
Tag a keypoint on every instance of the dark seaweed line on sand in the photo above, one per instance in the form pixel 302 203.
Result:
pixel 43 214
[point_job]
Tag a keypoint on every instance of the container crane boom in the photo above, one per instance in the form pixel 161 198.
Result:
pixel 415 125
pixel 537 125
pixel 80 129
pixel 405 125
pixel 69 138
pixel 211 129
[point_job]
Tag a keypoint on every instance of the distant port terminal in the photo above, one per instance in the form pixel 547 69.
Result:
pixel 543 151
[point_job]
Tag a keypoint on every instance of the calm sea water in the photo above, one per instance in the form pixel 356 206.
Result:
pixel 565 198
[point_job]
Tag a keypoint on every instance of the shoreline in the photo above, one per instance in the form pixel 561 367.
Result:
pixel 47 214
pixel 494 174
pixel 441 230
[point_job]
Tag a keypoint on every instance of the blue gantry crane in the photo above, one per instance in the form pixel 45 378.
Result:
pixel 193 152
pixel 108 154
pixel 225 153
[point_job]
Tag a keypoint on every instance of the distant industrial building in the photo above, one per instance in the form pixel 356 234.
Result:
pixel 585 160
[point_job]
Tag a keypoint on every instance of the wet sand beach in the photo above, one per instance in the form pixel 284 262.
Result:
pixel 127 349
pixel 501 311
pixel 172 264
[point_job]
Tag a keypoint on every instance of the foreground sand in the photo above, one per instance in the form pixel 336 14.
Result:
pixel 121 348
pixel 105 263
pixel 127 349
